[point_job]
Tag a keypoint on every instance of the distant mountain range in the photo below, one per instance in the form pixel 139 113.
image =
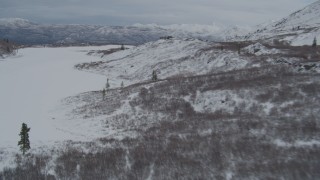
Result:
pixel 25 32
pixel 299 28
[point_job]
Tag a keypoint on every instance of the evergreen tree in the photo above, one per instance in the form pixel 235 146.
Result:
pixel 122 47
pixel 103 93
pixel 314 44
pixel 24 142
pixel 154 76
pixel 107 84
pixel 122 85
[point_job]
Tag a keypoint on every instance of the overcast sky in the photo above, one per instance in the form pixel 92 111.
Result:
pixel 128 12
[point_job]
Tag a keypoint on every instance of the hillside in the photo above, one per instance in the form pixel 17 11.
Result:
pixel 214 112
pixel 213 126
pixel 189 57
pixel 174 57
pixel 299 28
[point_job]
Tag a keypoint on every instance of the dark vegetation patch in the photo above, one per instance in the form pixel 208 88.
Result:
pixel 106 52
pixel 306 53
pixel 7 47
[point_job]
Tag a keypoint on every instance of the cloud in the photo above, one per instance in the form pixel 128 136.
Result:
pixel 124 12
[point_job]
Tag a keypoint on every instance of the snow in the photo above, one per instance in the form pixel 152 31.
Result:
pixel 307 143
pixel 267 107
pixel 136 64
pixel 229 175
pixel 151 174
pixel 304 39
pixel 32 87
pixel 259 49
pixel 6 158
pixel 297 143
pixel 174 57
pixel 225 100
pixel 206 132
pixel 128 164
pixel 281 143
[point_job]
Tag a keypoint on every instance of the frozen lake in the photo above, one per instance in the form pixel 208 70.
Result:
pixel 32 87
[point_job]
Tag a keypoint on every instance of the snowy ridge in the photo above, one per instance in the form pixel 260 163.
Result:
pixel 15 22
pixel 299 28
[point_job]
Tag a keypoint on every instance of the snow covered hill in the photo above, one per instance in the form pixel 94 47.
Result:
pixel 299 28
pixel 174 57
pixel 177 59
pixel 26 32
pixel 189 57
pixel 214 113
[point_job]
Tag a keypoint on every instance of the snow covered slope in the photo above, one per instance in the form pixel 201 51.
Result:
pixel 174 57
pixel 229 115
pixel 299 28
pixel 212 110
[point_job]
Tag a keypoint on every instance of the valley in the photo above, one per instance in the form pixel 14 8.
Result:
pixel 163 102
